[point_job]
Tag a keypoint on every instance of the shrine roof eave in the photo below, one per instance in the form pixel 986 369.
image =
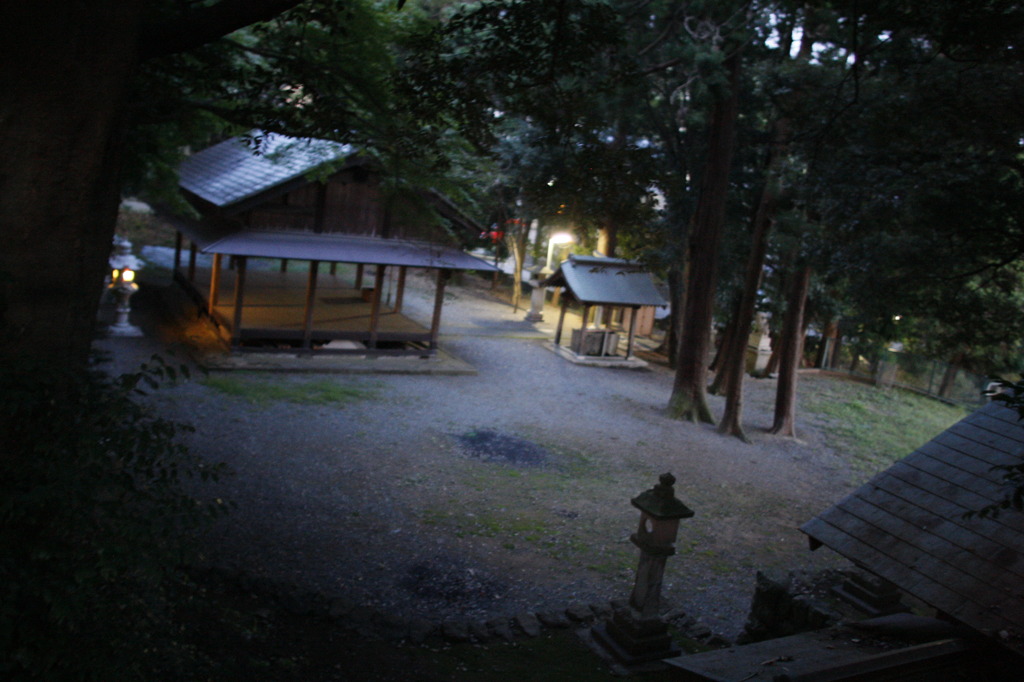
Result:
pixel 341 248
pixel 606 281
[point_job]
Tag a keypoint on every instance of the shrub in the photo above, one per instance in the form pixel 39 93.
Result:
pixel 93 525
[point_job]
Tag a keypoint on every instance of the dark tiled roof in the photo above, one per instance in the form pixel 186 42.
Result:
pixel 607 281
pixel 230 172
pixel 907 525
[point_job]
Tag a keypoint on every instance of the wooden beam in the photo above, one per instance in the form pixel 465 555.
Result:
pixel 192 248
pixel 359 276
pixel 334 269
pixel 284 265
pixel 236 326
pixel 214 282
pixel 632 331
pixel 435 321
pixel 561 320
pixel 307 324
pixel 583 331
pixel 400 294
pixel 179 240
pixel 378 288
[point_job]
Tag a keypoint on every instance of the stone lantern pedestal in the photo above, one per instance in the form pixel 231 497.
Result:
pixel 637 634
pixel 537 293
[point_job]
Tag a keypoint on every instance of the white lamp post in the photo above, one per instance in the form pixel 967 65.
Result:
pixel 558 238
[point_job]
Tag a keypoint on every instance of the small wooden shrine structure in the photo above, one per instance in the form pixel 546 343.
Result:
pixel 316 202
pixel 614 283
pixel 910 526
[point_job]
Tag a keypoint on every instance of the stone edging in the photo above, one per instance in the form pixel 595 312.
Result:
pixel 372 623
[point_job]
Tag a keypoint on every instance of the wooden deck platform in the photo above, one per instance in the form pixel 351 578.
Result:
pixel 275 306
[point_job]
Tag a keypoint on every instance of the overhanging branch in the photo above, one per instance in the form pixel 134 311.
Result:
pixel 196 26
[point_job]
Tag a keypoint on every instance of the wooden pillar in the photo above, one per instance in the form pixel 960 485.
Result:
pixel 284 265
pixel 378 289
pixel 561 320
pixel 236 327
pixel 307 324
pixel 583 331
pixel 192 248
pixel 179 240
pixel 400 294
pixel 632 330
pixel 334 269
pixel 214 283
pixel 359 276
pixel 435 322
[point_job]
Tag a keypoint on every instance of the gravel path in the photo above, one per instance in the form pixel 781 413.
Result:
pixel 477 496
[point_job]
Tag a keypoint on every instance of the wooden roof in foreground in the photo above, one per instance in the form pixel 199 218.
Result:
pixel 907 525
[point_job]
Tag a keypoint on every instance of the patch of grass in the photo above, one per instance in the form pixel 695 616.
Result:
pixel 264 389
pixel 144 229
pixel 876 426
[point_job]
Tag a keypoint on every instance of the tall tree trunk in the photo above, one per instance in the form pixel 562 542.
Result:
pixel 764 217
pixel 64 75
pixel 949 375
pixel 792 348
pixel 689 391
pixel 718 361
pixel 517 239
pixel 676 294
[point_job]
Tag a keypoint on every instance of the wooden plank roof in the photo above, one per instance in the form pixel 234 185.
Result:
pixel 230 172
pixel 343 248
pixel 907 525
pixel 606 281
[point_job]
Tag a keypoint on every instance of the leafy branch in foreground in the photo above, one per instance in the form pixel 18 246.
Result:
pixel 94 521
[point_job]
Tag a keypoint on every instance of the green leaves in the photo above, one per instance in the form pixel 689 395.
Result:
pixel 94 522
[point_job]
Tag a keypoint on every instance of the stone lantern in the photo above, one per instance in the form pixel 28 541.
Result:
pixel 636 633
pixel 123 265
pixel 536 312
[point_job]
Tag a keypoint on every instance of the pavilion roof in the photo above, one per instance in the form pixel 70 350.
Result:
pixel 330 248
pixel 607 281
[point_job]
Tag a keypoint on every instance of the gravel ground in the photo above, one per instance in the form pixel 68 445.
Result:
pixel 477 496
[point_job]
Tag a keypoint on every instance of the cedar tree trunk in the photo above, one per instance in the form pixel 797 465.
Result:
pixel 764 218
pixel 689 391
pixel 792 347
pixel 63 73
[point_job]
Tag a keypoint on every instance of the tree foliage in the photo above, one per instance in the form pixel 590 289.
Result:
pixel 95 524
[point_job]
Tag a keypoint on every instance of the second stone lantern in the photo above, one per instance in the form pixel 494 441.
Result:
pixel 637 633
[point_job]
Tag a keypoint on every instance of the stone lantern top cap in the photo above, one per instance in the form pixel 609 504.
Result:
pixel 660 501
pixel 122 257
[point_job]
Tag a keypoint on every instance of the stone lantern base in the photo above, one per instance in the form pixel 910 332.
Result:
pixel 633 640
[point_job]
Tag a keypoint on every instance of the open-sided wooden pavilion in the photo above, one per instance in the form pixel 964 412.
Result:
pixel 596 281
pixel 320 204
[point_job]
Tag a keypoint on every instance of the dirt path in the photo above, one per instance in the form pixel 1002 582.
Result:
pixel 470 496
